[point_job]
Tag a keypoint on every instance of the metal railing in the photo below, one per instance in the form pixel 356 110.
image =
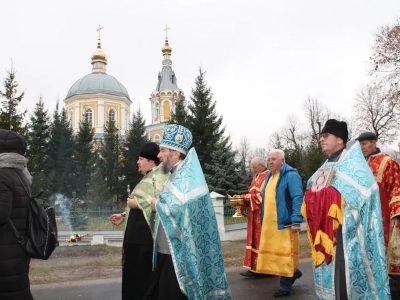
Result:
pixel 88 219
pixel 98 218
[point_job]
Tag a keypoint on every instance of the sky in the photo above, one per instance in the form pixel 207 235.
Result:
pixel 263 59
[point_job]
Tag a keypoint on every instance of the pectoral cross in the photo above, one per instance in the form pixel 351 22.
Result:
pixel 99 30
pixel 166 31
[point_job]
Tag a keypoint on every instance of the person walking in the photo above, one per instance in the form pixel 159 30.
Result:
pixel 344 228
pixel 14 263
pixel 188 255
pixel 279 243
pixel 138 239
pixel 253 202
pixel 387 174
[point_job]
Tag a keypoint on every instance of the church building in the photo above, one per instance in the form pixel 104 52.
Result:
pixel 164 97
pixel 99 97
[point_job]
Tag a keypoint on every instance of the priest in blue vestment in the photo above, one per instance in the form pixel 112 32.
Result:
pixel 188 257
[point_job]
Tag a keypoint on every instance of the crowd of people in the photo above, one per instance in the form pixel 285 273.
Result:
pixel 351 207
pixel 172 248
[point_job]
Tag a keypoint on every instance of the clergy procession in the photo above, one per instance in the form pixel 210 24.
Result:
pixel 167 206
pixel 351 207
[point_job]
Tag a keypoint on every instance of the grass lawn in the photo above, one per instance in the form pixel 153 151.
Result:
pixel 75 262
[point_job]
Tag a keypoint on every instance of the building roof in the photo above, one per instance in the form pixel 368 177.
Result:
pixel 166 78
pixel 97 83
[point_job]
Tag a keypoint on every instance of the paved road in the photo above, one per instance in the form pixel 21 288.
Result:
pixel 242 288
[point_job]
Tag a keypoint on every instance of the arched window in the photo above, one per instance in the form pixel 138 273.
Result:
pixel 155 111
pixel 71 115
pixel 111 115
pixel 157 139
pixel 167 110
pixel 89 116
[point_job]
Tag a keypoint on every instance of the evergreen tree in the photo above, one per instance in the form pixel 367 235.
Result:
pixel 204 122
pixel 83 157
pixel 134 143
pixel 9 116
pixel 180 116
pixel 98 193
pixel 109 159
pixel 61 147
pixel 224 177
pixel 37 154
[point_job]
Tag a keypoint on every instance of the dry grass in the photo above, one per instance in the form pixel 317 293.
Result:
pixel 74 263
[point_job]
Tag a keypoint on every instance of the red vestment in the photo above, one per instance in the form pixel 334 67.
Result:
pixel 387 174
pixel 254 221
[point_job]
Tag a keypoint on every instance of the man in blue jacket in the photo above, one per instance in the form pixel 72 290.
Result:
pixel 281 218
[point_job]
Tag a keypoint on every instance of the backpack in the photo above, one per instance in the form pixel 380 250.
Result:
pixel 41 231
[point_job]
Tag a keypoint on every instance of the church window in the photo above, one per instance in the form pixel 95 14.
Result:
pixel 71 115
pixel 89 116
pixel 167 110
pixel 111 115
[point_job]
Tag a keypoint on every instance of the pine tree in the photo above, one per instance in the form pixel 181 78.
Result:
pixel 83 157
pixel 225 177
pixel 180 116
pixel 9 116
pixel 109 157
pixel 98 193
pixel 134 143
pixel 204 122
pixel 37 154
pixel 61 147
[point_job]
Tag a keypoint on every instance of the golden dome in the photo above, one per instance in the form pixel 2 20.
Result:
pixel 166 49
pixel 99 55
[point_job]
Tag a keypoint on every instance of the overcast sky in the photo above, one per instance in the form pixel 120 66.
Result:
pixel 262 58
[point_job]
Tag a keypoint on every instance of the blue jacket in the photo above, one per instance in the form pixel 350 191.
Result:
pixel 289 197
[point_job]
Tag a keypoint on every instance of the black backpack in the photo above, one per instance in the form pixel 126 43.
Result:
pixel 41 231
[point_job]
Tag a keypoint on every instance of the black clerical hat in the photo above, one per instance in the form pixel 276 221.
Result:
pixel 337 128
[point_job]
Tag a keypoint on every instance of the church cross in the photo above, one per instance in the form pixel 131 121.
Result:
pixel 99 30
pixel 166 31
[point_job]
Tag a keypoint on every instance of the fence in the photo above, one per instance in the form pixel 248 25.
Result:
pixel 87 219
pixel 98 218
pixel 95 225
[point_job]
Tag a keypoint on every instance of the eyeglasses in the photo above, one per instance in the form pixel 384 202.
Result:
pixel 324 135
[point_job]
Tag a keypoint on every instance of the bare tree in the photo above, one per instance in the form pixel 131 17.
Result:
pixel 292 134
pixel 275 141
pixel 261 152
pixel 386 52
pixel 243 154
pixel 377 109
pixel 316 117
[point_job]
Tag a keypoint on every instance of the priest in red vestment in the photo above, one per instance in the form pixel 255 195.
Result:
pixel 387 173
pixel 253 201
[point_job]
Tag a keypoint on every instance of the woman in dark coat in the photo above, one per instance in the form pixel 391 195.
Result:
pixel 14 263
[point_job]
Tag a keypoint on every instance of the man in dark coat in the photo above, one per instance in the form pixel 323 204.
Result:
pixel 138 238
pixel 14 263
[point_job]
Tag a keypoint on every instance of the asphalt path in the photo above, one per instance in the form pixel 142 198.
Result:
pixel 242 288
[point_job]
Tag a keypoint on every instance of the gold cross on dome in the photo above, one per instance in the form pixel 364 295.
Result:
pixel 99 30
pixel 166 31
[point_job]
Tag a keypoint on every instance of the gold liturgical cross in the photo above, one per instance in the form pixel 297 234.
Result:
pixel 166 31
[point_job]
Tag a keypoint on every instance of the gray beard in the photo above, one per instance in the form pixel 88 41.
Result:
pixel 165 168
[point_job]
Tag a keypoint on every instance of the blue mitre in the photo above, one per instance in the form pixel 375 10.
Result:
pixel 176 137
